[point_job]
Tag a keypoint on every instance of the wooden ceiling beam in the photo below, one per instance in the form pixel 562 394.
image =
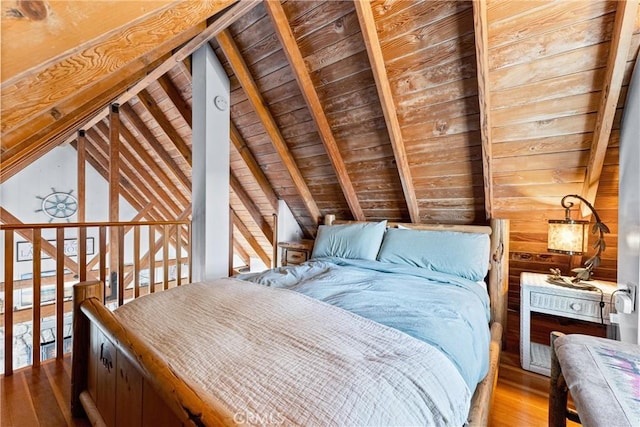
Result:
pixel 130 176
pixel 100 163
pixel 146 182
pixel 149 161
pixel 626 11
pixel 241 252
pixel 158 115
pixel 241 71
pixel 176 98
pixel 299 68
pixel 155 145
pixel 237 222
pixel 182 54
pixel 480 25
pixel 251 162
pixel 251 207
pixel 32 140
pixel 374 51
pixel 95 60
pixel 143 170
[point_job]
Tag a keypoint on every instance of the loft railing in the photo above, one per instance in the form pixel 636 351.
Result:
pixel 68 248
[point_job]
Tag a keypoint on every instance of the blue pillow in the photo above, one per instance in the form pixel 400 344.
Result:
pixel 461 254
pixel 354 241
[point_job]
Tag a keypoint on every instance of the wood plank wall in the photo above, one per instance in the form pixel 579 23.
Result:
pixel 429 54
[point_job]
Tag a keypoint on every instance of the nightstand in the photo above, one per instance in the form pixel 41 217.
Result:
pixel 537 295
pixel 294 253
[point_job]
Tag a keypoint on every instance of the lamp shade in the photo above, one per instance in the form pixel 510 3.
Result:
pixel 568 236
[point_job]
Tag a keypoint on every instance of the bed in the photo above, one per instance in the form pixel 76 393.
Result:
pixel 391 328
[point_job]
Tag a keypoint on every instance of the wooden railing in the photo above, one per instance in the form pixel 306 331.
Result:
pixel 122 280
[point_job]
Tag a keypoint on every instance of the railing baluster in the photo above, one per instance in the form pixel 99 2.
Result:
pixel 37 291
pixel 152 260
pixel 136 261
pixel 178 255
pixel 120 265
pixel 102 244
pixel 82 254
pixel 59 293
pixel 8 302
pixel 165 257
pixel 38 311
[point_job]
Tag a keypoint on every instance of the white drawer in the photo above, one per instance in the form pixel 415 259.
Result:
pixel 555 304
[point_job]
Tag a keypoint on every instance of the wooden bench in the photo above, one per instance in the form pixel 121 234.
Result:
pixel 603 377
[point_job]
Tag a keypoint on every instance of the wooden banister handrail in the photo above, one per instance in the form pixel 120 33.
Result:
pixel 174 236
pixel 90 224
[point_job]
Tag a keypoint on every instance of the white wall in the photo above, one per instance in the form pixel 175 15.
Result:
pixel 288 228
pixel 629 204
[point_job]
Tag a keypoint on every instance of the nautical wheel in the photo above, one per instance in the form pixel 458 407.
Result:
pixel 58 205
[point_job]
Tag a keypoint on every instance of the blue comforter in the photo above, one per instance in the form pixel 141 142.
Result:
pixel 448 312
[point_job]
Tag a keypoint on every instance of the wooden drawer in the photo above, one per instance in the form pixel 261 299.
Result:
pixel 568 306
pixel 295 257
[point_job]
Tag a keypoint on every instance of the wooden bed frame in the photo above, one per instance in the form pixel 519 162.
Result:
pixel 117 379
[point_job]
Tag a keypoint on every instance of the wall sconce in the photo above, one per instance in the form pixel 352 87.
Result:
pixel 569 236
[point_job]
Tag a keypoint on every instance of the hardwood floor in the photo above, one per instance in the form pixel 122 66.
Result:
pixel 40 396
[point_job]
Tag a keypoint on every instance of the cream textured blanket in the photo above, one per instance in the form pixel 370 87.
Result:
pixel 273 356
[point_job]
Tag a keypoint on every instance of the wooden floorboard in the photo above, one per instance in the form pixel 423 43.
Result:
pixel 41 396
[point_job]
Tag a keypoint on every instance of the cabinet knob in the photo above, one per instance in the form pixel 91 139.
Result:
pixel 576 306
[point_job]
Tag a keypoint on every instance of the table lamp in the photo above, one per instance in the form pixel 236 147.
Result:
pixel 569 236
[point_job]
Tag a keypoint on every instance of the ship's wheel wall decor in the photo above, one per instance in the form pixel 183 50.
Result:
pixel 58 205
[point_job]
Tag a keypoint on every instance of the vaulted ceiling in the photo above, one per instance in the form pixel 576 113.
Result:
pixel 424 111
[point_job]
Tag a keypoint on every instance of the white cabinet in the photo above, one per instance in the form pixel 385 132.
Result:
pixel 537 295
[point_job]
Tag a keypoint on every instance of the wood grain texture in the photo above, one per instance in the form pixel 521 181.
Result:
pixel 372 43
pixel 90 63
pixel 249 86
pixel 620 42
pixel 294 56
pixel 480 25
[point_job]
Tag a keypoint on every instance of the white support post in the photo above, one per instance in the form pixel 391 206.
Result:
pixel 629 205
pixel 210 167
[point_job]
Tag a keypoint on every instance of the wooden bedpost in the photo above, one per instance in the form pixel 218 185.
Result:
pixel 499 273
pixel 80 354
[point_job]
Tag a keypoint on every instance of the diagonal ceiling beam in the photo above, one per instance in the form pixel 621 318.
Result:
pixel 618 51
pixel 158 115
pixel 149 162
pixel 254 167
pixel 32 140
pixel 144 170
pixel 223 21
pixel 155 145
pixel 292 51
pixel 237 222
pixel 251 207
pixel 241 252
pixel 480 26
pixel 176 98
pixel 372 43
pixel 243 74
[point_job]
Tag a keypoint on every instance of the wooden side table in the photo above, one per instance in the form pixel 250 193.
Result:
pixel 294 253
pixel 537 295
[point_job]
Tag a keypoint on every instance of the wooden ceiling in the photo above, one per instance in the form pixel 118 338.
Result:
pixel 424 111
